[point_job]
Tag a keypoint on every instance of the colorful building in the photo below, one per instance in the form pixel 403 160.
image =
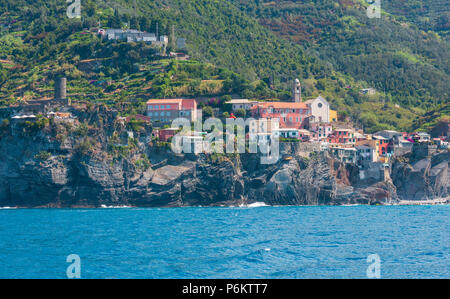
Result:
pixel 333 116
pixel 166 134
pixel 290 115
pixel 383 145
pixel 166 110
pixel 342 136
pixel 320 131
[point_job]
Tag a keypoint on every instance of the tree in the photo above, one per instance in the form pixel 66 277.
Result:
pixel 3 75
pixel 208 111
pixel 241 112
pixel 115 21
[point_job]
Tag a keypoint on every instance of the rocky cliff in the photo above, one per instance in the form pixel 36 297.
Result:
pixel 95 161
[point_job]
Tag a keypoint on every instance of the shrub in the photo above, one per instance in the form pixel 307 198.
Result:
pixel 43 156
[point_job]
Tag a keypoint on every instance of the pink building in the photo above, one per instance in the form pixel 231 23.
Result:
pixel 342 136
pixel 320 130
pixel 290 115
pixel 166 110
pixel 166 134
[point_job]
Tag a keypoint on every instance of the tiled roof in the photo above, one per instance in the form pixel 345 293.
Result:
pixel 283 105
pixel 164 101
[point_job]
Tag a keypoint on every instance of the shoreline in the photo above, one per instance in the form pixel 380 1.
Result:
pixel 432 202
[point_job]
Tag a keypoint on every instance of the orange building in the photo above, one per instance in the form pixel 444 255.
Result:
pixel 290 115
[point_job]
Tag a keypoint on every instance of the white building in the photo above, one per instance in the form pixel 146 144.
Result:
pixel 366 153
pixel 320 109
pixel 264 125
pixel 287 133
pixel 130 35
pixel 242 104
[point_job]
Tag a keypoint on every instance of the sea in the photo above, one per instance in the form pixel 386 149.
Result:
pixel 231 242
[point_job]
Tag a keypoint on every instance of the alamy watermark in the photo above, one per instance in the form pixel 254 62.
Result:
pixel 74 9
pixel 74 269
pixel 374 268
pixel 374 9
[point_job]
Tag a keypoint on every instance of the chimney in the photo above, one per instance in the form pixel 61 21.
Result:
pixel 60 89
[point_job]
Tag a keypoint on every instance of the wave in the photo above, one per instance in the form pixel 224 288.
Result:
pixel 254 205
pixel 115 207
pixel 7 208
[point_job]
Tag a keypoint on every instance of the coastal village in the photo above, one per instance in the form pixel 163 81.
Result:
pixel 100 129
pixel 310 123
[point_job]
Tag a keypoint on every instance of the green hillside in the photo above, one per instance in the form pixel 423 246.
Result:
pixel 388 53
pixel 250 48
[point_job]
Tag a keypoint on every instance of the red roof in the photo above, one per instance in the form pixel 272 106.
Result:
pixel 282 105
pixel 189 104
pixel 183 104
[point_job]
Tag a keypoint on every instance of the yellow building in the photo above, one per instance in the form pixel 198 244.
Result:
pixel 333 116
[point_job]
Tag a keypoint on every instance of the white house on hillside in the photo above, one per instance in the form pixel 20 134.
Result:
pixel 320 109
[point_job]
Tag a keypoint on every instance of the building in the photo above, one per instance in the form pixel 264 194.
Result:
pixel 130 35
pixel 179 55
pixel 333 116
pixel 304 135
pixel 166 134
pixel 366 153
pixel 421 137
pixel 390 135
pixel 359 136
pixel 342 136
pixel 290 115
pixel 368 91
pixel 344 154
pixel 242 104
pixel 320 109
pixel 320 131
pixel 166 110
pixel 383 145
pixel 287 133
pixel 263 125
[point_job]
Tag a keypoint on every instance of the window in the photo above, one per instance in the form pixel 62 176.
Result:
pixel 150 114
pixel 168 106
pixel 320 105
pixel 150 107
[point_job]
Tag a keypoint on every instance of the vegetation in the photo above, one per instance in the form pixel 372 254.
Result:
pixel 253 49
pixel 43 155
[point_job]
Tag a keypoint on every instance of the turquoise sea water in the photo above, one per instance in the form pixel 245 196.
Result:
pixel 264 242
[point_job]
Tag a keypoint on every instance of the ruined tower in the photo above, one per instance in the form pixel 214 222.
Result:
pixel 60 88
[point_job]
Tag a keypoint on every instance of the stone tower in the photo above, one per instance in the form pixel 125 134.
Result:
pixel 297 91
pixel 60 89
